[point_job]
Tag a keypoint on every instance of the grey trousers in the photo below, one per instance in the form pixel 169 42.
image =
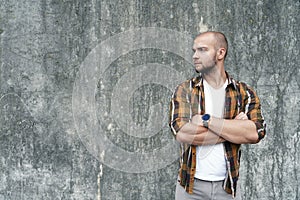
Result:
pixel 205 190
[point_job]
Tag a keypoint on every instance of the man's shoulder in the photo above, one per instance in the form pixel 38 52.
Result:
pixel 191 82
pixel 244 88
pixel 244 85
pixel 240 84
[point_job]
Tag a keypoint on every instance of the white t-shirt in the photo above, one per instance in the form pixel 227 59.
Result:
pixel 210 159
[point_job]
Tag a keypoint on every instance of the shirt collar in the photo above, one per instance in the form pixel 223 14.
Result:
pixel 198 81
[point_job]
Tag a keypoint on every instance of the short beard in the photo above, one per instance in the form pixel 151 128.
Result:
pixel 207 69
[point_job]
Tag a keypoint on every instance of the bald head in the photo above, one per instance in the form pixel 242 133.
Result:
pixel 220 41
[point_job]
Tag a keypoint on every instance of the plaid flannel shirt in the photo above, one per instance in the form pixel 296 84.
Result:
pixel 188 100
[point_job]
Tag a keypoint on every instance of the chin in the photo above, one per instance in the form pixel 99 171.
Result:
pixel 198 69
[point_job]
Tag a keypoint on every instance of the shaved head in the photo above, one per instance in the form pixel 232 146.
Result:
pixel 220 39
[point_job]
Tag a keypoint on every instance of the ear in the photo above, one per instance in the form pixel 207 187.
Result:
pixel 221 54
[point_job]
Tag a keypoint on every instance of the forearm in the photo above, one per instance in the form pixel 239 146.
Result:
pixel 195 134
pixel 207 138
pixel 235 130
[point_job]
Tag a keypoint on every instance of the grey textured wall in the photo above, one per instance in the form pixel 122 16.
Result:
pixel 61 135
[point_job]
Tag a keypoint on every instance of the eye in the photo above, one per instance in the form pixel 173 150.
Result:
pixel 202 49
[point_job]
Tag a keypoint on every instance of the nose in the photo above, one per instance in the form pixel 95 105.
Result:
pixel 195 55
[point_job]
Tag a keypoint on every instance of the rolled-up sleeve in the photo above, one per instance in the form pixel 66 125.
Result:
pixel 179 112
pixel 254 112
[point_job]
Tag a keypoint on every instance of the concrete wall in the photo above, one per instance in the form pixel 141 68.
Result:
pixel 85 85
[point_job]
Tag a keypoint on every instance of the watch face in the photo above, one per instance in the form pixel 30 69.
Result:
pixel 205 117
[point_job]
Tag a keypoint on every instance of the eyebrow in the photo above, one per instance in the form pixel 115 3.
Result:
pixel 200 47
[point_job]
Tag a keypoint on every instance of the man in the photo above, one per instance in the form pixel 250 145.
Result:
pixel 211 115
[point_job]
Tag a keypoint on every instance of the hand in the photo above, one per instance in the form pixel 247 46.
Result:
pixel 197 119
pixel 241 116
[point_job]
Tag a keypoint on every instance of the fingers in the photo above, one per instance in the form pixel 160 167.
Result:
pixel 196 119
pixel 241 116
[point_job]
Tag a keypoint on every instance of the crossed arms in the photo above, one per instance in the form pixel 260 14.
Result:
pixel 239 131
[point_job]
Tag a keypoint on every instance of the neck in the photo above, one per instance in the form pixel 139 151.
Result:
pixel 215 78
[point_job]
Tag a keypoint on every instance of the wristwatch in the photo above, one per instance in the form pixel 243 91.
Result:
pixel 205 120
